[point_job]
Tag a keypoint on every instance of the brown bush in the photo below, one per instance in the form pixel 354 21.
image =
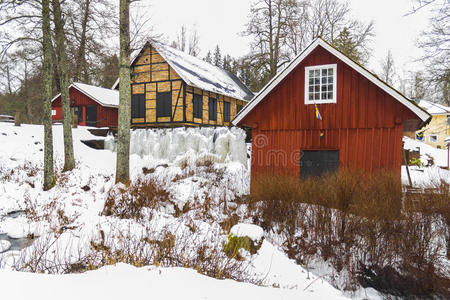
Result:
pixel 129 203
pixel 358 223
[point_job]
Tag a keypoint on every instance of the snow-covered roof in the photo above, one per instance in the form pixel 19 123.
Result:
pixel 418 111
pixel 103 96
pixel 199 73
pixel 434 108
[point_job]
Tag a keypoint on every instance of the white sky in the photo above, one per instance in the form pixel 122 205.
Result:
pixel 221 21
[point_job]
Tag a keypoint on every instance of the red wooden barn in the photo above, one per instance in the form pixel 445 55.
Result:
pixel 94 106
pixel 324 111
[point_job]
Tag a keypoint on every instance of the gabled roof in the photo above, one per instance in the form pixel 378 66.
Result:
pixel 421 114
pixel 434 108
pixel 199 73
pixel 104 97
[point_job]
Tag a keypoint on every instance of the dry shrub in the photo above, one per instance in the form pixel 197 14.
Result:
pixel 359 224
pixel 128 203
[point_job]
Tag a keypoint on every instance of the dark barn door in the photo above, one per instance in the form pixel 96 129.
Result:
pixel 318 162
pixel 91 116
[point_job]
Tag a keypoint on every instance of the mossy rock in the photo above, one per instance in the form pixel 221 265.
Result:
pixel 231 248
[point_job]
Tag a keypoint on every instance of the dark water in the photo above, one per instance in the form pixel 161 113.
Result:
pixel 16 243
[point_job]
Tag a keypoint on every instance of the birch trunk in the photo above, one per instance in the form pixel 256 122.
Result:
pixel 47 119
pixel 69 161
pixel 123 139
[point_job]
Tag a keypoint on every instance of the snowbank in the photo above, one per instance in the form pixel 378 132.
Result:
pixel 439 155
pixel 126 282
pixel 254 232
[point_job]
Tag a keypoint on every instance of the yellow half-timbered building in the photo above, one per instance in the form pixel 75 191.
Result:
pixel 171 88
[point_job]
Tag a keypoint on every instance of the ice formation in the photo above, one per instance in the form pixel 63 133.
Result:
pixel 187 145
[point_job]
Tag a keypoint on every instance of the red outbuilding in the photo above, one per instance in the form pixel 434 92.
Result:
pixel 323 112
pixel 94 106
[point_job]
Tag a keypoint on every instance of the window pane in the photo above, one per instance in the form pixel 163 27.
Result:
pixel 324 80
pixel 316 81
pixel 330 72
pixel 317 88
pixel 324 88
pixel 324 72
pixel 330 95
pixel 316 96
pixel 311 73
pixel 330 87
pixel 324 96
pixel 330 79
pixel 316 73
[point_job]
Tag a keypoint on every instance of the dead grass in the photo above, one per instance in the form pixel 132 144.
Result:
pixel 362 224
pixel 129 203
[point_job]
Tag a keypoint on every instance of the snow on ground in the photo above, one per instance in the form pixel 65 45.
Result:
pixel 73 208
pixel 440 156
pixel 254 232
pixel 127 282
pixel 430 175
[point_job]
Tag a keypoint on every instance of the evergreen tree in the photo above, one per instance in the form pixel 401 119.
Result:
pixel 208 57
pixel 217 57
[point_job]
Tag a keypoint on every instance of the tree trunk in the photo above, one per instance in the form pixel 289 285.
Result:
pixel 69 161
pixel 81 63
pixel 123 138
pixel 47 119
pixel 17 118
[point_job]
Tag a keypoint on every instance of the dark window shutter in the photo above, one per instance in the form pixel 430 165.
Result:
pixel 138 106
pixel 226 111
pixel 198 106
pixel 164 104
pixel 212 108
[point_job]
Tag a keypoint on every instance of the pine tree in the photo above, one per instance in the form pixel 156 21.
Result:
pixel 208 57
pixel 217 57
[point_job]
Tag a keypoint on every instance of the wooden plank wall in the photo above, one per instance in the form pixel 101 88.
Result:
pixel 107 116
pixel 365 125
pixel 152 74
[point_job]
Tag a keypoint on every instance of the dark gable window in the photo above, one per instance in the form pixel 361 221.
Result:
pixel 212 108
pixel 164 104
pixel 198 106
pixel 138 106
pixel 239 108
pixel 226 111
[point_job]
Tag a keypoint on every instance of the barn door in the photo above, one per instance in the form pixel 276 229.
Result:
pixel 91 116
pixel 318 162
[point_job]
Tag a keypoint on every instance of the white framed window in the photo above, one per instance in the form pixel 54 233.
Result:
pixel 53 112
pixel 433 138
pixel 320 84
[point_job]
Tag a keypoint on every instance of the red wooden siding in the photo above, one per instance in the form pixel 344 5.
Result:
pixel 106 116
pixel 365 125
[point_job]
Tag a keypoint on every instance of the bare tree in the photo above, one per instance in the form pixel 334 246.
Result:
pixel 388 68
pixel 69 160
pixel 123 139
pixel 49 178
pixel 268 26
pixel 187 42
pixel 435 42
